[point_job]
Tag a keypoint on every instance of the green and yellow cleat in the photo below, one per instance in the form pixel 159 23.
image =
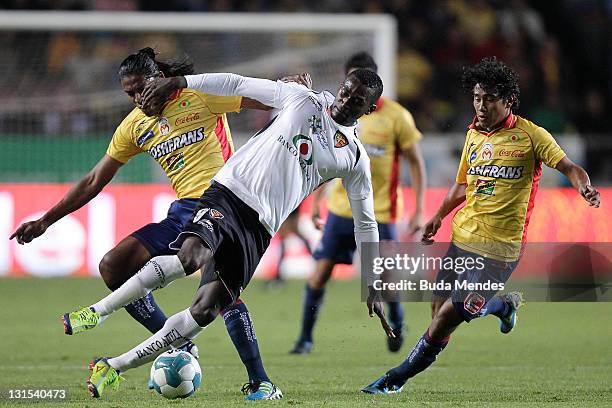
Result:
pixel 102 376
pixel 80 321
pixel 514 300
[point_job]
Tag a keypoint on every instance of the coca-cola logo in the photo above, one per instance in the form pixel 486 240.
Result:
pixel 187 118
pixel 511 153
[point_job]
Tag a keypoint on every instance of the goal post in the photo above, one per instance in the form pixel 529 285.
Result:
pixel 60 82
pixel 382 27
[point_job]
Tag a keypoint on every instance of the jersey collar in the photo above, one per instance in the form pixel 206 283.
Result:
pixel 379 103
pixel 508 123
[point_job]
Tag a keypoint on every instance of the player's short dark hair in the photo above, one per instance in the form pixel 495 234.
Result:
pixel 144 63
pixel 371 80
pixel 493 76
pixel 360 60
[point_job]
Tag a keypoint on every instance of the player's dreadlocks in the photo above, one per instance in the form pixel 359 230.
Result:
pixel 494 77
pixel 144 63
pixel 371 80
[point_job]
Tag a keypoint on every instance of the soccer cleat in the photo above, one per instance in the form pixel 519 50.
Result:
pixel 80 321
pixel 302 348
pixel 514 300
pixel 382 385
pixel 102 376
pixel 395 343
pixel 258 391
pixel 189 347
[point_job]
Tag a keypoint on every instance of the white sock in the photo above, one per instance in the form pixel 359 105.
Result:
pixel 157 273
pixel 178 329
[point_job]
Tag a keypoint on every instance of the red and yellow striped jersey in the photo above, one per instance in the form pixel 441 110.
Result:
pixel 190 139
pixel 385 133
pixel 502 170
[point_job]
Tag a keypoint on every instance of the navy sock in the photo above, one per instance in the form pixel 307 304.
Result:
pixel 240 329
pixel 495 306
pixel 422 356
pixel 396 315
pixel 147 313
pixel 313 299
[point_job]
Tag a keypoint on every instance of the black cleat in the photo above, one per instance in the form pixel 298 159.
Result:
pixel 302 348
pixel 395 343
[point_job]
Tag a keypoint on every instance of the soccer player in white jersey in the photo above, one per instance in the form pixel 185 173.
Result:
pixel 312 140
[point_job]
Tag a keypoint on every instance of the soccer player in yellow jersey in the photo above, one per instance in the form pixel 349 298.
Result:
pixel 387 134
pixel 497 179
pixel 191 140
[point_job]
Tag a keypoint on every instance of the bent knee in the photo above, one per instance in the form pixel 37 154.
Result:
pixel 108 268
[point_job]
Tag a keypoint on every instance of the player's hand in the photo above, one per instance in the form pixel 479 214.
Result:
pixel 591 195
pixel 430 229
pixel 302 79
pixel 156 93
pixel 28 231
pixel 415 223
pixel 315 217
pixel 377 307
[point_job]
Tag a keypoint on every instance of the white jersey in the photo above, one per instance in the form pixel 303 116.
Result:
pixel 300 149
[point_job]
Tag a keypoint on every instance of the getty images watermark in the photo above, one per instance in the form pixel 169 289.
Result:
pixel 542 271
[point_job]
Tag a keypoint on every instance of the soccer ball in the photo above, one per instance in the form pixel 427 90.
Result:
pixel 176 374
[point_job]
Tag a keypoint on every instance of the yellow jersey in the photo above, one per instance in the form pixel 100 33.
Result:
pixel 501 170
pixel 190 139
pixel 385 133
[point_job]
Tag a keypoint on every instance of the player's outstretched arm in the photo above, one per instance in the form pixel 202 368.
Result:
pixel 580 180
pixel 454 198
pixel 80 194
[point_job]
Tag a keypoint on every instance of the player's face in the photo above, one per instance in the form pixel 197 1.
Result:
pixel 133 85
pixel 490 109
pixel 352 102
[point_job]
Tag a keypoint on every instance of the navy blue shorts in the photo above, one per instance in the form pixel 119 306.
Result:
pixel 157 236
pixel 468 303
pixel 338 241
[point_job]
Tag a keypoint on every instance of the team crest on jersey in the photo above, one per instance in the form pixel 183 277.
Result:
pixel 175 161
pixel 340 140
pixel 485 186
pixel 487 151
pixel 474 302
pixel 143 138
pixel 164 126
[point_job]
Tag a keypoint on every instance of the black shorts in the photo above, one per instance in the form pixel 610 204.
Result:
pixel 231 229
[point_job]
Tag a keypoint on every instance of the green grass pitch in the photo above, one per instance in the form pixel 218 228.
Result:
pixel 559 355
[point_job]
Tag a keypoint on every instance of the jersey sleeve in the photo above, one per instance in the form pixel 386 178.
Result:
pixel 121 147
pixel 274 94
pixel 223 104
pixel 406 130
pixel 358 183
pixel 463 164
pixel 546 148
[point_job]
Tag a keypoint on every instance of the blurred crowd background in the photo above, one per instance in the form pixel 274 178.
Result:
pixel 561 51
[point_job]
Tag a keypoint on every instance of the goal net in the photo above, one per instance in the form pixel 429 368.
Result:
pixel 61 95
